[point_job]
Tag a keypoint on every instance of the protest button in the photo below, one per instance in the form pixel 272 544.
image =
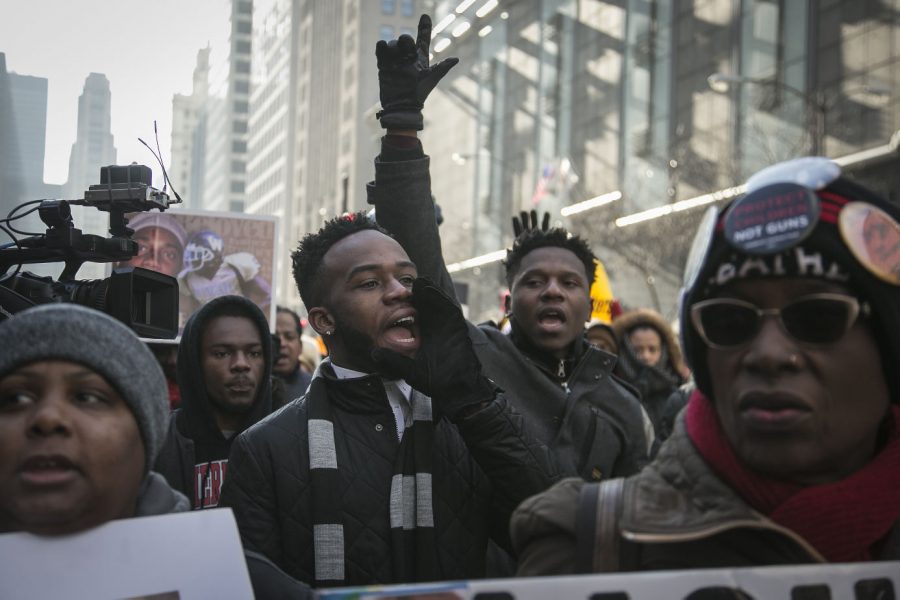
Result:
pixel 772 219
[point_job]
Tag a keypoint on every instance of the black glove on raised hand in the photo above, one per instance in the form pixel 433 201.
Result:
pixel 523 225
pixel 445 366
pixel 405 79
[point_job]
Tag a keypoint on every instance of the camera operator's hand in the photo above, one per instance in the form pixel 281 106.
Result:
pixel 521 224
pixel 405 79
pixel 445 366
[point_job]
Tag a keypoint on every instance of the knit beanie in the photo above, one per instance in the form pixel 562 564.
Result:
pixel 91 338
pixel 840 232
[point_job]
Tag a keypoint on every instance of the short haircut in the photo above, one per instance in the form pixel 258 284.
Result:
pixel 284 310
pixel 552 238
pixel 229 309
pixel 239 310
pixel 307 258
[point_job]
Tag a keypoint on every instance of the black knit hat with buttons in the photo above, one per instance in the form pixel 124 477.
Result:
pixel 822 252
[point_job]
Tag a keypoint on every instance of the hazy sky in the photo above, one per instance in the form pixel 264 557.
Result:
pixel 147 49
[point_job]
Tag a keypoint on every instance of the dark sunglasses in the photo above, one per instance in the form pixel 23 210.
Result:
pixel 814 319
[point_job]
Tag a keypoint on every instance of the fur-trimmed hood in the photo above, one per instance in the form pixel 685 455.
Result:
pixel 645 317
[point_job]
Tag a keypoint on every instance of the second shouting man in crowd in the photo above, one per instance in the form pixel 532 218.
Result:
pixel 563 386
pixel 224 370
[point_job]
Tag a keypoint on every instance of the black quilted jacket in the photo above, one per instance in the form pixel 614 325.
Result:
pixel 482 469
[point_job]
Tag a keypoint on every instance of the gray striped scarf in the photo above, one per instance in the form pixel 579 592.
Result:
pixel 410 509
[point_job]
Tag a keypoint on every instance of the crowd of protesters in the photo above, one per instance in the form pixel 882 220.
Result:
pixel 423 447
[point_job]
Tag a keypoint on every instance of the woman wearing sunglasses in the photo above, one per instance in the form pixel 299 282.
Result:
pixel 789 450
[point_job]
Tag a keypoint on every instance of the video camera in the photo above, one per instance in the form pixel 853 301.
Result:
pixel 144 300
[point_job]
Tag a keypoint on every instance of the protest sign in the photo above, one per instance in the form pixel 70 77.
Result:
pixel 187 556
pixel 858 581
pixel 211 254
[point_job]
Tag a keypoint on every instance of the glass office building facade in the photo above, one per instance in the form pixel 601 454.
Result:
pixel 559 101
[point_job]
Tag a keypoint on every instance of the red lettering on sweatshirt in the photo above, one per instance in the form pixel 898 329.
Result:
pixel 208 480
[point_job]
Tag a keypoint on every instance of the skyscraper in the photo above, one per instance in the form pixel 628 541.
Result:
pixel 29 100
pixel 11 183
pixel 313 133
pixel 93 148
pixel 227 113
pixel 188 128
pixel 273 110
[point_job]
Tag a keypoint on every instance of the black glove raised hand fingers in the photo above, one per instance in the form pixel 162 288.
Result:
pixel 382 54
pixel 406 50
pixel 439 70
pixel 405 78
pixel 423 39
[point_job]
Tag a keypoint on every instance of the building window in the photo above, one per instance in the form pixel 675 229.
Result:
pixel 388 6
pixel 245 7
pixel 239 166
pixel 239 127
pixel 237 187
pixel 387 32
pixel 242 66
pixel 241 106
pixel 242 87
pixel 407 8
pixel 244 27
pixel 238 146
pixel 242 47
pixel 236 206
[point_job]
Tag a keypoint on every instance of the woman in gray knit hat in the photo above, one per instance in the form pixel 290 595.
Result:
pixel 83 412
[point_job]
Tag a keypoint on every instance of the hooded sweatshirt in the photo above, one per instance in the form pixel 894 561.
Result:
pixel 194 458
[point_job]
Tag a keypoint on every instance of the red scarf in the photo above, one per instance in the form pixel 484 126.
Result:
pixel 843 520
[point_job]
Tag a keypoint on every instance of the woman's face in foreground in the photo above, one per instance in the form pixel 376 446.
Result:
pixel 71 454
pixel 796 411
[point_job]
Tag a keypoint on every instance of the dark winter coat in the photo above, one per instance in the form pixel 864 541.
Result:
pixel 592 423
pixel 482 469
pixel 677 514
pixel 195 448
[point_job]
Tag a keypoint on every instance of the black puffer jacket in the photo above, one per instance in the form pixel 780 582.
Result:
pixel 194 442
pixel 482 469
pixel 592 423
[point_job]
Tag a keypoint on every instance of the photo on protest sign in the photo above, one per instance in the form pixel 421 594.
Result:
pixel 210 254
